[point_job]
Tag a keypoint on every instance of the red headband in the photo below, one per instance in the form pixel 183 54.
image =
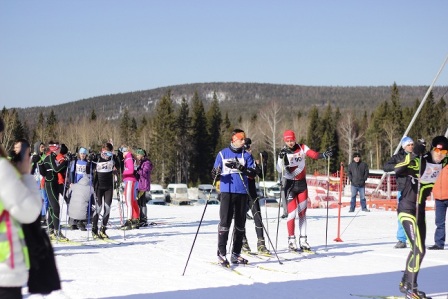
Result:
pixel 54 147
pixel 238 136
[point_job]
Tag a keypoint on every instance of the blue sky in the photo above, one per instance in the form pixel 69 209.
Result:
pixel 53 52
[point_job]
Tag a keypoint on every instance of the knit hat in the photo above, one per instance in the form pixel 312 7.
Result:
pixel 140 152
pixel 83 151
pixel 356 155
pixel 289 136
pixel 440 142
pixel 406 141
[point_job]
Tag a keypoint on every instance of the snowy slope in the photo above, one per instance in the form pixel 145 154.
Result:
pixel 150 261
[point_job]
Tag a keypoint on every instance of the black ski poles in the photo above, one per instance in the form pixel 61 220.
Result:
pixel 264 228
pixel 200 222
pixel 279 204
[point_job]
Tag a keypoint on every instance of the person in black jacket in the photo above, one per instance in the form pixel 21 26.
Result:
pixel 407 146
pixel 421 173
pixel 358 173
pixel 254 204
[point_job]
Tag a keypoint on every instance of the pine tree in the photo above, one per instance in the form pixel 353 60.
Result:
pixel 164 149
pixel 214 122
pixel 200 156
pixel 51 126
pixel 125 126
pixel 183 142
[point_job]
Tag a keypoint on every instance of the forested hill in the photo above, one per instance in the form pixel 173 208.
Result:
pixel 238 99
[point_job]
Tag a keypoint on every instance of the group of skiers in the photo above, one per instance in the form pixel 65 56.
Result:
pixel 87 182
pixel 236 168
pixel 417 172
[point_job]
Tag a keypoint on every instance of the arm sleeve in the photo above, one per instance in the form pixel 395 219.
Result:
pixel 19 194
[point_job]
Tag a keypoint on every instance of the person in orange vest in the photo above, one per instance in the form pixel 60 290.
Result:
pixel 440 193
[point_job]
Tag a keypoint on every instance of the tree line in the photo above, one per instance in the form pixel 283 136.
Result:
pixel 183 139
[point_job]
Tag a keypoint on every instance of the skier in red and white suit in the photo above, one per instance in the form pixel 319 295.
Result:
pixel 291 164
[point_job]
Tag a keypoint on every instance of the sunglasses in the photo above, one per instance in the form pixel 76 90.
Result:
pixel 440 151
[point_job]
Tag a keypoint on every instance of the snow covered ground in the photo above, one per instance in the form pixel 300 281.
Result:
pixel 150 261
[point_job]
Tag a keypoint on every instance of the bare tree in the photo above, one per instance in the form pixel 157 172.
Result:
pixel 269 127
pixel 392 133
pixel 349 133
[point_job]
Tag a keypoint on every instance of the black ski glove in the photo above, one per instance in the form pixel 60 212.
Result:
pixel 216 172
pixel 235 164
pixel 283 152
pixel 419 147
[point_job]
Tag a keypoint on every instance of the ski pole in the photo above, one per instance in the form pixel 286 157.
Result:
pixel 264 228
pixel 279 204
pixel 264 192
pixel 417 234
pixel 327 199
pixel 200 222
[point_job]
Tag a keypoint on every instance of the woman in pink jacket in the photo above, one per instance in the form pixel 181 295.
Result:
pixel 130 196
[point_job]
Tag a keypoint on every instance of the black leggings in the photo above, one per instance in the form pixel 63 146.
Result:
pixel 99 204
pixel 232 204
pixel 52 190
pixel 416 235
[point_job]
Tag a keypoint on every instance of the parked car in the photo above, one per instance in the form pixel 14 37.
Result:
pixel 156 195
pixel 178 194
pixel 206 190
pixel 273 191
pixel 269 201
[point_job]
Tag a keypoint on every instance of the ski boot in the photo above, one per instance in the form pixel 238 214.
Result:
pixel 236 258
pixel 261 247
pixel 245 248
pixel 222 260
pixel 127 225
pixel 102 233
pixel 412 293
pixel 292 244
pixel 60 237
pixel 82 226
pixel 135 223
pixel 95 234
pixel 304 243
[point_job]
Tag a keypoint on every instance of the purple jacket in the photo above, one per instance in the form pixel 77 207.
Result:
pixel 144 171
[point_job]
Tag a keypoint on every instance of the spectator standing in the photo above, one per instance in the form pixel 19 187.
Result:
pixel 440 193
pixel 358 172
pixel 37 158
pixel 407 147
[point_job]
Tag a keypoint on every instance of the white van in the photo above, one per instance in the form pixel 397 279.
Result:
pixel 156 195
pixel 178 194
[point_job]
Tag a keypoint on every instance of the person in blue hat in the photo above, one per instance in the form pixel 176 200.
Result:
pixel 407 147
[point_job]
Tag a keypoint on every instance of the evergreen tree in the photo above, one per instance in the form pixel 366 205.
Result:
pixel 183 142
pixel 93 115
pixel 125 126
pixel 214 122
pixel 51 126
pixel 164 149
pixel 200 156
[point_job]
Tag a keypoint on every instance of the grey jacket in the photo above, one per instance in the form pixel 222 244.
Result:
pixel 79 195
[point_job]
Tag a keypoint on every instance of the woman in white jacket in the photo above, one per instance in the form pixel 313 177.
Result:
pixel 20 202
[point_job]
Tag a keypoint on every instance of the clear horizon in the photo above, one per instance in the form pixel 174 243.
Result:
pixel 57 52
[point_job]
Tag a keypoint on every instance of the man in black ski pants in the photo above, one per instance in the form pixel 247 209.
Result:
pixel 233 164
pixel 49 168
pixel 106 163
pixel 254 203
